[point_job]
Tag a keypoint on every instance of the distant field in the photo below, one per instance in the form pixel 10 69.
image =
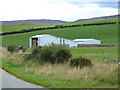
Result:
pixel 95 53
pixel 92 21
pixel 108 34
pixel 19 27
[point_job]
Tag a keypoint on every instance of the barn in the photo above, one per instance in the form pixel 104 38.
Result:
pixel 87 41
pixel 46 39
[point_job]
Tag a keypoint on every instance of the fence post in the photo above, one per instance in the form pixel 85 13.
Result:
pixel 109 58
pixel 93 58
pixel 103 56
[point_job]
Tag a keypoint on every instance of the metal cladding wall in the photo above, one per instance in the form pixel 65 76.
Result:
pixel 92 41
pixel 87 41
pixel 30 42
pixel 48 39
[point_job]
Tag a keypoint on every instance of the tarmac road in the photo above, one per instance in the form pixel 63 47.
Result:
pixel 9 81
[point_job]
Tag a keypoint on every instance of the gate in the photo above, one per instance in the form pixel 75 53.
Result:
pixel 109 60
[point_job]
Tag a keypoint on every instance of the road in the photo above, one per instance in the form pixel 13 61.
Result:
pixel 9 81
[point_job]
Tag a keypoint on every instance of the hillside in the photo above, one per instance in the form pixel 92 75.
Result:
pixel 108 34
pixel 51 22
pixel 20 27
pixel 98 18
pixel 41 21
pixel 91 22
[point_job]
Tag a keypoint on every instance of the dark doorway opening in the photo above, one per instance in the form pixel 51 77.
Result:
pixel 34 42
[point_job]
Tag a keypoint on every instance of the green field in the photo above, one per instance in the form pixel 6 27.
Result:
pixel 92 21
pixel 19 27
pixel 108 34
pixel 95 53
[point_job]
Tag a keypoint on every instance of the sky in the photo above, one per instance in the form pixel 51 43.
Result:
pixel 66 10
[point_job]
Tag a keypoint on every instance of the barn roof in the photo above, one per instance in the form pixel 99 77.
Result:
pixel 39 35
pixel 83 39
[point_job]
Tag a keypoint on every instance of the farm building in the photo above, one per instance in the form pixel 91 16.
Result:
pixel 87 41
pixel 46 39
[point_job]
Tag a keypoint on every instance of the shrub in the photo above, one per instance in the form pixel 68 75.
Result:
pixel 35 54
pixel 36 51
pixel 46 54
pixel 52 59
pixel 28 57
pixel 80 62
pixel 12 49
pixel 63 55
pixel 52 53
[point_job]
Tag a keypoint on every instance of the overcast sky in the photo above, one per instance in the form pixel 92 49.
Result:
pixel 67 10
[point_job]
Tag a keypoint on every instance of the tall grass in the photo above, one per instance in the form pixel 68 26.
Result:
pixel 17 57
pixel 102 75
pixel 98 71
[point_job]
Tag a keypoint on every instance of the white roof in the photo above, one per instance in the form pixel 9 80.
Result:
pixel 82 39
pixel 39 35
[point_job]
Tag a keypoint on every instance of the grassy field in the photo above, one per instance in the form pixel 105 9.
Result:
pixel 61 75
pixel 95 53
pixel 19 27
pixel 92 21
pixel 108 34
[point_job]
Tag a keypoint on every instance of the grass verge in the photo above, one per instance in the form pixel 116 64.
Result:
pixel 61 75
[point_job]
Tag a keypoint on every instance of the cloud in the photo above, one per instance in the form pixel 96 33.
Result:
pixel 45 9
pixel 69 1
pixel 108 4
pixel 100 4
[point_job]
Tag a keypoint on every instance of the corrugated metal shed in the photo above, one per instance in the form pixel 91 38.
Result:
pixel 46 39
pixel 79 40
pixel 87 41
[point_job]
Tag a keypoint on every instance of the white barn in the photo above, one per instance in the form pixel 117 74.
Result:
pixel 46 39
pixel 87 41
